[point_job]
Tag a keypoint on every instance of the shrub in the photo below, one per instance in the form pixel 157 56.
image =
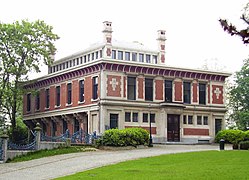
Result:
pixel 124 137
pixel 230 136
pixel 247 135
pixel 244 145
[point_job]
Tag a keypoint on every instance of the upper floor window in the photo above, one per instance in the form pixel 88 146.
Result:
pixel 70 63
pixel 168 90
pixel 77 61
pixel 120 55
pixel 134 56
pixel 95 87
pixel 92 56
pixel 81 90
pixel 202 93
pixel 67 64
pixel 73 62
pixel 199 120
pixel 155 59
pixel 187 92
pixel 113 54
pixel 131 90
pixel 145 117
pixel 81 60
pixel 28 102
pixel 97 55
pixel 88 57
pixel 58 96
pixel 127 56
pixel 127 117
pixel 100 53
pixel 205 120
pixel 148 58
pixel 148 89
pixel 69 93
pixel 141 58
pixel 85 59
pixel 190 119
pixel 37 101
pixel 47 98
pixel 135 117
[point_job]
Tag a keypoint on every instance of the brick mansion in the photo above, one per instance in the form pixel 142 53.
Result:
pixel 116 84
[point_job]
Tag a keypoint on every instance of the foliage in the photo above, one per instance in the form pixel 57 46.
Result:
pixel 232 29
pixel 51 152
pixel 244 145
pixel 24 46
pixel 22 131
pixel 193 165
pixel 124 137
pixel 239 97
pixel 230 136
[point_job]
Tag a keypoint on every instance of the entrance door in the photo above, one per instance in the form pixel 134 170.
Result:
pixel 218 125
pixel 113 121
pixel 173 126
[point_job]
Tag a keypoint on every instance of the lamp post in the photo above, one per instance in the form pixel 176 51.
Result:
pixel 150 140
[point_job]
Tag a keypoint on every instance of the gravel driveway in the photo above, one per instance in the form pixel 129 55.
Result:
pixel 61 165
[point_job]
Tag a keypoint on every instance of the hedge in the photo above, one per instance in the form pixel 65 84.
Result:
pixel 232 136
pixel 124 137
pixel 244 145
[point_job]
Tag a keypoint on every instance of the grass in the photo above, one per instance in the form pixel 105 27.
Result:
pixel 51 152
pixel 194 165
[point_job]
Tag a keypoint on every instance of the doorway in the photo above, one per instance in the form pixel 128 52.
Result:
pixel 218 125
pixel 173 127
pixel 113 121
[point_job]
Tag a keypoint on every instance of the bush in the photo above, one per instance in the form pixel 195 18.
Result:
pixel 244 145
pixel 124 137
pixel 247 136
pixel 230 136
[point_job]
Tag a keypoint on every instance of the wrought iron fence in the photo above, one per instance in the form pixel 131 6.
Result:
pixel 61 138
pixel 1 149
pixel 25 144
pixel 83 137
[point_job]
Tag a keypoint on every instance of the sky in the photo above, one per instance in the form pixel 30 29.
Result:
pixel 194 35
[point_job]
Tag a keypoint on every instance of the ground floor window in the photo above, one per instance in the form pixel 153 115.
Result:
pixel 113 121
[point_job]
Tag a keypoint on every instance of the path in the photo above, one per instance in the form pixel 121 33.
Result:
pixel 61 165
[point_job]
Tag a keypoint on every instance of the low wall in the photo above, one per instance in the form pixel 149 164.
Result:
pixel 13 153
pixel 52 145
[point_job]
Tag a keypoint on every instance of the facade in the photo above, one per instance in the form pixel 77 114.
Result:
pixel 119 85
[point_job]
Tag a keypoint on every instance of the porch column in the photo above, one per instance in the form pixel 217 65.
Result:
pixel 69 120
pixel 58 123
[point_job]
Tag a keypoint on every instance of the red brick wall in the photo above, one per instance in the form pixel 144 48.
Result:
pixel 140 87
pixel 63 95
pixel 194 92
pixel 75 92
pixel 218 100
pixel 42 100
pixel 159 89
pixel 124 86
pixel 88 90
pixel 195 131
pixel 153 129
pixel 117 91
pixel 59 129
pixel 178 91
pixel 51 97
pixel 48 129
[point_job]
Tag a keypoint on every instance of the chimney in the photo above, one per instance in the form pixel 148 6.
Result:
pixel 161 46
pixel 107 32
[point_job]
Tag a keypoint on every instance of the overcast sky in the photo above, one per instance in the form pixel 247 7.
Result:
pixel 192 28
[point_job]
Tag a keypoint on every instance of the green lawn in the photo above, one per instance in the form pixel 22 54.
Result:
pixel 51 152
pixel 195 165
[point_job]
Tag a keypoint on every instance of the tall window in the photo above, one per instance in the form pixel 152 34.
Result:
pixel 95 87
pixel 202 93
pixel 127 117
pixel 97 55
pixel 148 58
pixel 199 120
pixel 28 102
pixel 81 90
pixel 168 91
pixel 205 120
pixel 148 89
pixel 134 56
pixel 47 98
pixel 127 56
pixel 190 119
pixel 141 58
pixel 113 54
pixel 92 56
pixel 131 90
pixel 37 101
pixel 152 118
pixel 187 92
pixel 145 117
pixel 155 59
pixel 135 117
pixel 58 96
pixel 69 93
pixel 120 55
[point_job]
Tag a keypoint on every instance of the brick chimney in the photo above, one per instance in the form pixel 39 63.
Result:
pixel 161 46
pixel 107 31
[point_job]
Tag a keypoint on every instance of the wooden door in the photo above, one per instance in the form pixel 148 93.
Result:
pixel 173 126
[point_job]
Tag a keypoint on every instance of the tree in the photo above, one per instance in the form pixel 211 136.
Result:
pixel 24 46
pixel 239 97
pixel 239 91
pixel 232 29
